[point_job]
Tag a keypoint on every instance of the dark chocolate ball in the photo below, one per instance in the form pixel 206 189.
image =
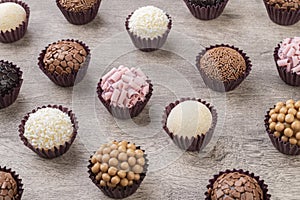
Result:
pixel 206 2
pixel 9 77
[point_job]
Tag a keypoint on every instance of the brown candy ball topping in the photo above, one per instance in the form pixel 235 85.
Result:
pixel 223 64
pixel 64 57
pixel 8 186
pixel 118 164
pixel 285 121
pixel 236 186
pixel 285 4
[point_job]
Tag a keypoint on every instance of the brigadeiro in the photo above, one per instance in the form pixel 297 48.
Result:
pixel 49 130
pixel 118 168
pixel 287 59
pixel 190 123
pixel 236 184
pixel 65 62
pixel 14 17
pixel 124 92
pixel 10 83
pixel 148 28
pixel 206 9
pixel 283 126
pixel 10 184
pixel 223 67
pixel 79 12
pixel 283 12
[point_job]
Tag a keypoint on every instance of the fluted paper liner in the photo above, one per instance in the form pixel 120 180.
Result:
pixel 19 32
pixel 147 44
pixel 71 79
pixel 282 17
pixel 289 78
pixel 18 180
pixel 119 192
pixel 283 147
pixel 9 98
pixel 206 12
pixel 221 86
pixel 195 143
pixel 261 183
pixel 80 18
pixel 55 151
pixel 124 113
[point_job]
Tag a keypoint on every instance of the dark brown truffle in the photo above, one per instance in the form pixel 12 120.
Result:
pixel 206 2
pixel 236 186
pixel 77 5
pixel 223 64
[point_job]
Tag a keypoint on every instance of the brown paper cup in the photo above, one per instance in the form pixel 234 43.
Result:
pixel 19 32
pixel 283 147
pixel 9 98
pixel 55 151
pixel 195 143
pixel 282 17
pixel 80 18
pixel 206 12
pixel 289 78
pixel 119 192
pixel 217 85
pixel 261 183
pixel 17 179
pixel 70 79
pixel 124 113
pixel 148 45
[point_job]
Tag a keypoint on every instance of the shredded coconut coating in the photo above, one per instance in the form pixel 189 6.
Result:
pixel 48 128
pixel 148 22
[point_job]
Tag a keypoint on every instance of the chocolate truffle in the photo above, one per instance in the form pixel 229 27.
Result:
pixel 285 4
pixel 235 186
pixel 48 128
pixel 124 87
pixel 284 121
pixel 189 118
pixel 77 5
pixel 12 15
pixel 289 55
pixel 205 2
pixel 8 185
pixel 118 168
pixel 9 77
pixel 148 22
pixel 64 57
pixel 223 64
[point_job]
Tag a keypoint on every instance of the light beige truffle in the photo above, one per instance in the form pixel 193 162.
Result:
pixel 189 118
pixel 11 16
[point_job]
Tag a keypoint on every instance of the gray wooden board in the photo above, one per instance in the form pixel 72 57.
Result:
pixel 240 140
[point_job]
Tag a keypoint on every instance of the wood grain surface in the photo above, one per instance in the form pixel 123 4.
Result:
pixel 239 141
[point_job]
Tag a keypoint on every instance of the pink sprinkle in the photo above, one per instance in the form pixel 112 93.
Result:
pixel 282 63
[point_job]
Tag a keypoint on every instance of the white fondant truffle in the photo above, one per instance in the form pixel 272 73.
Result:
pixel 11 16
pixel 189 118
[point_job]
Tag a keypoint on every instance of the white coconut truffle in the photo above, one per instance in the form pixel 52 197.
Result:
pixel 12 16
pixel 48 128
pixel 148 22
pixel 189 118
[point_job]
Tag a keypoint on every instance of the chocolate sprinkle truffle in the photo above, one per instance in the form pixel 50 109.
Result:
pixel 9 77
pixel 223 64
pixel 77 5
pixel 235 186
pixel 285 4
pixel 205 2
pixel 8 185
pixel 64 57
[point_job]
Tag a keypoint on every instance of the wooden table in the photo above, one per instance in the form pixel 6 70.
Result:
pixel 239 141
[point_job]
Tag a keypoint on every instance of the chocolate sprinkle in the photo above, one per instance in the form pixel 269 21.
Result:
pixel 77 5
pixel 8 186
pixel 285 4
pixel 9 77
pixel 223 64
pixel 205 2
